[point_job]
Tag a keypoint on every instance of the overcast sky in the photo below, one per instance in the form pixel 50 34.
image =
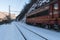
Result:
pixel 16 5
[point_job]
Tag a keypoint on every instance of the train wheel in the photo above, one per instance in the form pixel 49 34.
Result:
pixel 38 24
pixel 34 24
pixel 42 25
pixel 49 26
pixel 56 26
pixel 59 27
pixel 46 26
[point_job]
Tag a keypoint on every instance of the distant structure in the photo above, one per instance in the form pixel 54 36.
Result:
pixel 3 16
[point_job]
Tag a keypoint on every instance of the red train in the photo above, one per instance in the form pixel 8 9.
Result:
pixel 48 17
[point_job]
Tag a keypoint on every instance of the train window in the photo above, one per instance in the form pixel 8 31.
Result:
pixel 46 12
pixel 56 6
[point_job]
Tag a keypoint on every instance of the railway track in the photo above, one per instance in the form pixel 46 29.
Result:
pixel 21 32
pixel 30 31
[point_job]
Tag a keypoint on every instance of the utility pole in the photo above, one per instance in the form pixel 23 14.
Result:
pixel 9 16
pixel 9 11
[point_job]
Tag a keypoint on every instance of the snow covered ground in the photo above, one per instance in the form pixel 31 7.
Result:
pixel 9 32
pixel 49 34
pixel 13 32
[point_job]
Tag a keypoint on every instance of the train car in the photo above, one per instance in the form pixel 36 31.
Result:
pixel 47 17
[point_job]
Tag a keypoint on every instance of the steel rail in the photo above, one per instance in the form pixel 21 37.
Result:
pixel 35 33
pixel 20 32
